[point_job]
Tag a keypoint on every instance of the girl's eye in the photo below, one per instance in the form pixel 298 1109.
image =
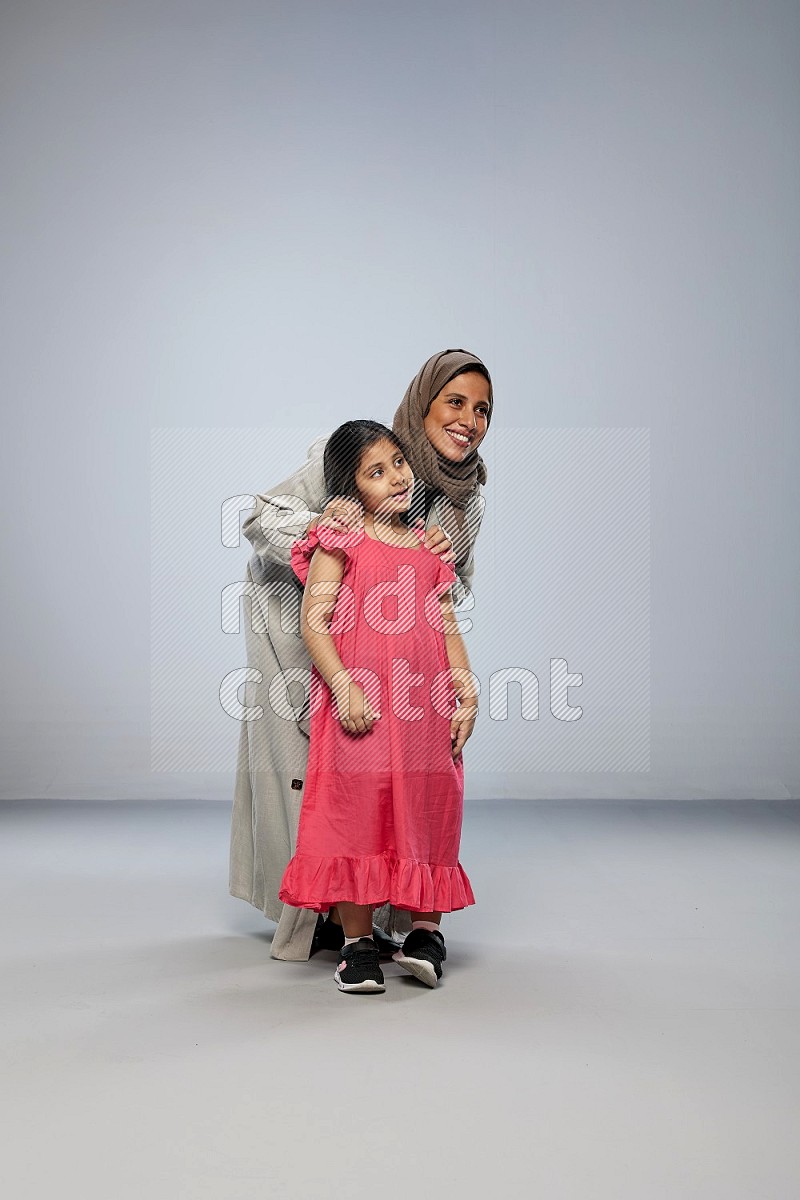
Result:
pixel 379 470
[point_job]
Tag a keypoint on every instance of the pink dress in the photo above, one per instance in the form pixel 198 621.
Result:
pixel 381 814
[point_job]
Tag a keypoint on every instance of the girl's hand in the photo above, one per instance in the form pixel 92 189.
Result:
pixel 341 513
pixel 462 724
pixel 437 540
pixel 355 711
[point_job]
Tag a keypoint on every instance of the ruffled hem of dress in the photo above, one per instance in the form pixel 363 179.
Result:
pixel 319 883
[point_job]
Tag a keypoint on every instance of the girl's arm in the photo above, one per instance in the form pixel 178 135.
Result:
pixel 319 600
pixel 326 570
pixel 464 682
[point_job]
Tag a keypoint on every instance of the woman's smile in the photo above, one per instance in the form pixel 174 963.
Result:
pixel 458 416
pixel 460 437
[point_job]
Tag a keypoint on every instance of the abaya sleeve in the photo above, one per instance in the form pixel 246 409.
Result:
pixel 465 563
pixel 282 514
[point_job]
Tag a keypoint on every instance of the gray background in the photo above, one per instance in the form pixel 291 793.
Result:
pixel 261 216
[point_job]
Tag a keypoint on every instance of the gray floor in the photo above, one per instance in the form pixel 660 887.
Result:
pixel 619 1016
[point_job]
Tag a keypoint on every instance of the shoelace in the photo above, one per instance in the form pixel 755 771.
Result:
pixel 362 958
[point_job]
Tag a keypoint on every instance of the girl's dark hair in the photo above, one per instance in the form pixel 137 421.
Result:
pixel 343 451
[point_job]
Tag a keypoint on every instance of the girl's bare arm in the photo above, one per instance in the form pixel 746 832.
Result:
pixel 319 599
pixel 464 681
pixel 462 722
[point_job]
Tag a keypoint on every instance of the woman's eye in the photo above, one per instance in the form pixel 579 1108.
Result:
pixel 483 410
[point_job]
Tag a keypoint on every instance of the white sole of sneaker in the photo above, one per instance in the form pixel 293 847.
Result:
pixel 418 967
pixel 367 985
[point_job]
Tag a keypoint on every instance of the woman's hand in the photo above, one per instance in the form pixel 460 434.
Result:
pixel 437 540
pixel 341 513
pixel 355 711
pixel 462 724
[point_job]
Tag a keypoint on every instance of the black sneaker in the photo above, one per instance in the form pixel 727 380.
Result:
pixel 330 936
pixel 422 955
pixel 360 970
pixel 327 936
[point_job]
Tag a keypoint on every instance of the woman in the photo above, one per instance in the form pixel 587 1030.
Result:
pixel 442 420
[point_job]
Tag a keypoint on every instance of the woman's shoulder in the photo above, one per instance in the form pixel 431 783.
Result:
pixel 317 448
pixel 475 501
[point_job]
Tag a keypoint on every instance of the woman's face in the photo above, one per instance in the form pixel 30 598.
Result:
pixel 384 479
pixel 457 418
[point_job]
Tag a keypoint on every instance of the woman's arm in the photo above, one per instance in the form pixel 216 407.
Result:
pixel 465 564
pixel 284 512
pixel 463 584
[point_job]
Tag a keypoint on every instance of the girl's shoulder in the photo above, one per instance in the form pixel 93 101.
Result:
pixel 327 538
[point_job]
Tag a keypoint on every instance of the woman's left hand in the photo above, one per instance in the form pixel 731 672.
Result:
pixel 462 724
pixel 437 540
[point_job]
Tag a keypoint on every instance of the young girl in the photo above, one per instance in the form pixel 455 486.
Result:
pixel 381 815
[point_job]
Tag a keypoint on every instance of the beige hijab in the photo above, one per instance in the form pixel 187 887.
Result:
pixel 432 471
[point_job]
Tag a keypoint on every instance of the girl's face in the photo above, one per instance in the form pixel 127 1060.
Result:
pixel 458 416
pixel 384 479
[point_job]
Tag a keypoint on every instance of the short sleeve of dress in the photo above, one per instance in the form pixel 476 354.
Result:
pixel 445 576
pixel 445 571
pixel 330 539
